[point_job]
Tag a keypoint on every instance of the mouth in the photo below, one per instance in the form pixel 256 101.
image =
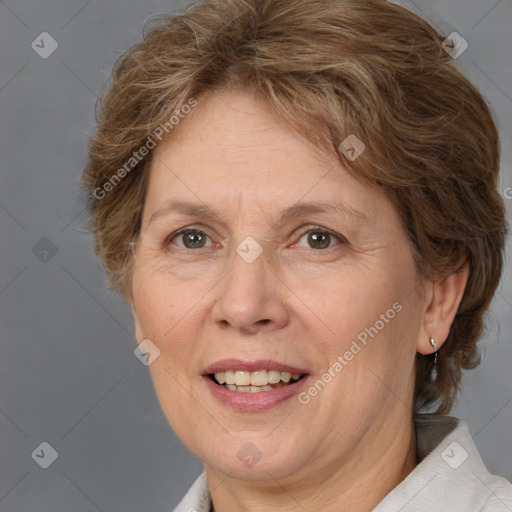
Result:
pixel 258 381
pixel 253 385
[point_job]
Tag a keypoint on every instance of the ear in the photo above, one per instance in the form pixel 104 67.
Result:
pixel 442 302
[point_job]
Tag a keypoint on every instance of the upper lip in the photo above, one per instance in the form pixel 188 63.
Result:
pixel 251 366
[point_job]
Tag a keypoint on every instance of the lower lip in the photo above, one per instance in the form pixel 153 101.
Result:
pixel 258 401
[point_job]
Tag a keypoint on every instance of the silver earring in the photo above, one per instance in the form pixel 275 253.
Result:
pixel 434 370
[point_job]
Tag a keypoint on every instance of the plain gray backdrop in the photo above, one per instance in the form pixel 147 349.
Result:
pixel 68 375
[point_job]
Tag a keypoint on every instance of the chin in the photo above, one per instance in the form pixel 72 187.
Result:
pixel 258 459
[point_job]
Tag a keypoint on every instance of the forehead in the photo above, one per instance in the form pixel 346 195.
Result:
pixel 238 122
pixel 233 152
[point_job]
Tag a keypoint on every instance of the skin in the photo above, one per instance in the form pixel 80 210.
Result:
pixel 296 303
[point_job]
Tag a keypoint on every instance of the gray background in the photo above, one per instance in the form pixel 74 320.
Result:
pixel 68 375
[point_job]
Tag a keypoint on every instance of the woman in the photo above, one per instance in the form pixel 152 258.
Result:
pixel 298 199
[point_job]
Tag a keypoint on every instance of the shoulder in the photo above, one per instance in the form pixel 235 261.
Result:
pixel 499 497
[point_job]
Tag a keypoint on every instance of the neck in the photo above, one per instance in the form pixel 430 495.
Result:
pixel 379 464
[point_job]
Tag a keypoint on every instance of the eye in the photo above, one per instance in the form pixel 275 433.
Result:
pixel 317 238
pixel 191 239
pixel 320 238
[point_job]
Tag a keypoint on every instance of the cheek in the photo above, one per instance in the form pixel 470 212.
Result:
pixel 368 323
pixel 382 372
pixel 167 320
pixel 345 303
pixel 164 312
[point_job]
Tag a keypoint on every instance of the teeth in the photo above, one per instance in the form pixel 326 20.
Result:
pixel 259 378
pixel 248 389
pixel 253 382
pixel 242 378
pixel 274 377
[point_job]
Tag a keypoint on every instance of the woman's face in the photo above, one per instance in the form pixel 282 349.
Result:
pixel 329 292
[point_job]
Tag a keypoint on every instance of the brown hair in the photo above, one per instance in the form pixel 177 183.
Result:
pixel 373 69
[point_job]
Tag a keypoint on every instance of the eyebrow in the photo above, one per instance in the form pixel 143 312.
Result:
pixel 296 210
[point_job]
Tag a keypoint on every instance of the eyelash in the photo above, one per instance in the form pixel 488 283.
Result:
pixel 309 229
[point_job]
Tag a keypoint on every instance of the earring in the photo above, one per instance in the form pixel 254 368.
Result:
pixel 434 370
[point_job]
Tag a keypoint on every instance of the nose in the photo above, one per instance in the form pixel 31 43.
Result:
pixel 251 297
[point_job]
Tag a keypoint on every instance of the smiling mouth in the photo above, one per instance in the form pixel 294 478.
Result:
pixel 254 382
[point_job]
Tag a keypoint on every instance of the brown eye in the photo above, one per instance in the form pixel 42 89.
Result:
pixel 320 239
pixel 190 238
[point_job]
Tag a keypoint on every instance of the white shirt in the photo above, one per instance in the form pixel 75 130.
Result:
pixel 450 477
